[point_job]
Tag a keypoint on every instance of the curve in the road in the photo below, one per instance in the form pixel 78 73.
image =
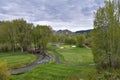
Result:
pixel 41 60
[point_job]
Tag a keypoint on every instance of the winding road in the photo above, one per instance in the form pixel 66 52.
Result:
pixel 42 60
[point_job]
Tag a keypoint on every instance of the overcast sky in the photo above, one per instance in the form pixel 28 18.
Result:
pixel 60 14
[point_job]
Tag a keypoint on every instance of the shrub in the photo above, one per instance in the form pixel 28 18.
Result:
pixel 4 75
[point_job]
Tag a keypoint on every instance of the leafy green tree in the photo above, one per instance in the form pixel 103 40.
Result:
pixel 7 34
pixel 70 39
pixel 106 38
pixel 23 33
pixel 35 37
pixel 61 38
pixel 88 39
pixel 42 35
pixel 19 33
pixel 54 38
pixel 80 40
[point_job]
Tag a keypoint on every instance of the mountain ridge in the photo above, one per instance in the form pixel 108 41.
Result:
pixel 66 31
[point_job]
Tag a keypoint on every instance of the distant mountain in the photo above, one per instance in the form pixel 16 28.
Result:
pixel 70 32
pixel 63 32
pixel 83 31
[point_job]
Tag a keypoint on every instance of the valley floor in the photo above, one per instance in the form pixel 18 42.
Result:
pixel 67 63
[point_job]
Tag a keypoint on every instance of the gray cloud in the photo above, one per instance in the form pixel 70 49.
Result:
pixel 58 13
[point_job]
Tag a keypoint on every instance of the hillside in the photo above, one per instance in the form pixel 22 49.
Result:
pixel 83 31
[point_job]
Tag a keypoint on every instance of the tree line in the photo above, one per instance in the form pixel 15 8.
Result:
pixel 73 39
pixel 20 35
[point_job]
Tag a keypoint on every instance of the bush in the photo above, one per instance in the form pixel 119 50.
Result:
pixel 4 75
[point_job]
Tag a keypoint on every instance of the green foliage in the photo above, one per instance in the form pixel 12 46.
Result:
pixel 7 35
pixel 80 40
pixel 23 33
pixel 15 33
pixel 18 34
pixel 88 39
pixel 41 36
pixel 72 39
pixel 4 75
pixel 54 38
pixel 62 38
pixel 106 36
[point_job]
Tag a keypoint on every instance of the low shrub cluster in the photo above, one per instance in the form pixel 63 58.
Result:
pixel 4 74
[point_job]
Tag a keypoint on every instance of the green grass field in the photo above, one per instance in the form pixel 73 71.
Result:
pixel 17 59
pixel 75 55
pixel 54 71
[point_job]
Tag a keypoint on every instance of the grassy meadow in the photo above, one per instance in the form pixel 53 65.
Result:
pixel 18 59
pixel 74 55
pixel 55 71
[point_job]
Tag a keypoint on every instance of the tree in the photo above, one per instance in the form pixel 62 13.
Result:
pixel 54 38
pixel 7 34
pixel 35 37
pixel 80 39
pixel 42 36
pixel 23 33
pixel 106 38
pixel 18 33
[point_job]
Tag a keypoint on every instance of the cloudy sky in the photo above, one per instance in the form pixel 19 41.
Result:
pixel 60 14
